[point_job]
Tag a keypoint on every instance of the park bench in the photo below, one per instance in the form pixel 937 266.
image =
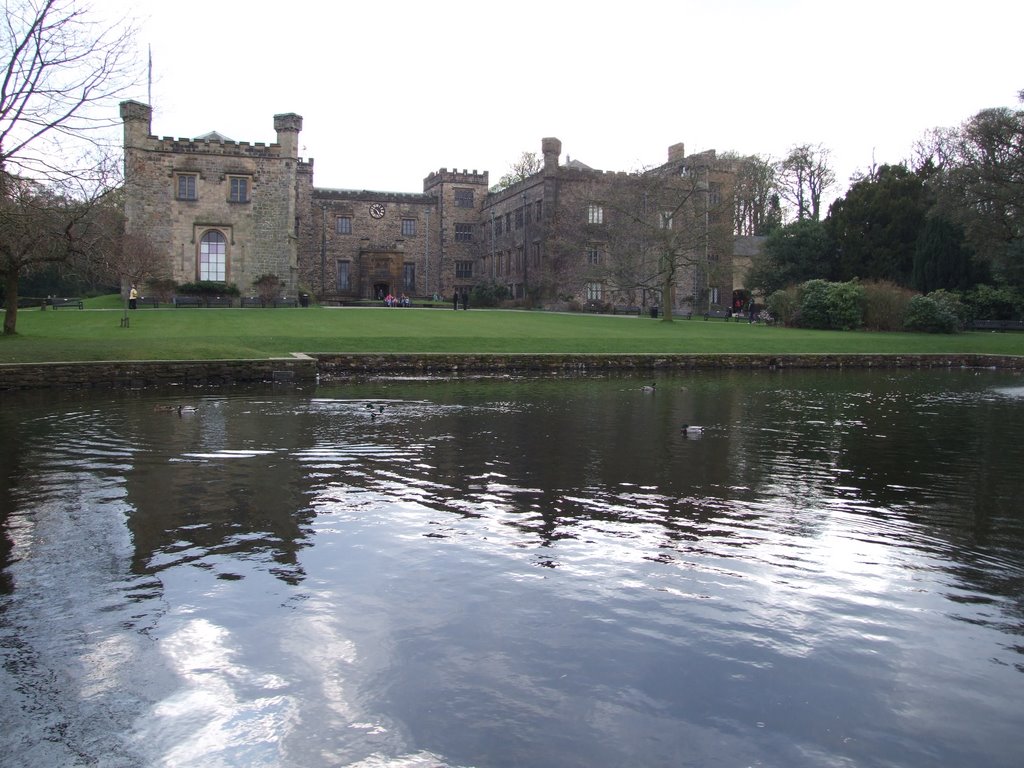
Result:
pixel 996 325
pixel 26 302
pixel 682 315
pixel 65 303
pixel 188 301
pixel 151 301
pixel 286 303
pixel 624 310
pixel 218 301
pixel 718 314
pixel 250 301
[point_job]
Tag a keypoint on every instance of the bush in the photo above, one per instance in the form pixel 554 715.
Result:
pixel 489 294
pixel 885 305
pixel 831 306
pixel 208 288
pixel 813 305
pixel 950 301
pixel 164 289
pixel 268 287
pixel 927 315
pixel 985 302
pixel 784 305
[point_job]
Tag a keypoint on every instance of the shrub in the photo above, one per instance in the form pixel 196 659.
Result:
pixel 164 289
pixel 208 288
pixel 835 306
pixel 489 294
pixel 784 305
pixel 929 315
pixel 885 305
pixel 814 304
pixel 951 302
pixel 986 302
pixel 268 287
pixel 845 305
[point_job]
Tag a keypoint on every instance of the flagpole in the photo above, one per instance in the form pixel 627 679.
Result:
pixel 149 79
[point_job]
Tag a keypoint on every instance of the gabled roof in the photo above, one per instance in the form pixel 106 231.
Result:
pixel 577 165
pixel 214 136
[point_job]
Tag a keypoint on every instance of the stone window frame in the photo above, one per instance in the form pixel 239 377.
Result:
pixel 595 213
pixel 594 290
pixel 409 275
pixel 182 185
pixel 344 266
pixel 343 225
pixel 463 197
pixel 408 227
pixel 463 233
pixel 236 182
pixel 463 270
pixel 593 255
pixel 202 234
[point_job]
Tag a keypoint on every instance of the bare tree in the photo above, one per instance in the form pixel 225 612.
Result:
pixel 804 176
pixel 38 227
pixel 522 169
pixel 63 71
pixel 756 209
pixel 656 235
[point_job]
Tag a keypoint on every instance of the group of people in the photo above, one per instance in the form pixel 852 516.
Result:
pixel 464 297
pixel 397 301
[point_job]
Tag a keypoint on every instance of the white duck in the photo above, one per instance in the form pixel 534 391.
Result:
pixel 692 429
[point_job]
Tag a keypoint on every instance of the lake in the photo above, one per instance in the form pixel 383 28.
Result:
pixel 517 572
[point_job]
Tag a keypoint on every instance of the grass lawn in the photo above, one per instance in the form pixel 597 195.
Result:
pixel 199 334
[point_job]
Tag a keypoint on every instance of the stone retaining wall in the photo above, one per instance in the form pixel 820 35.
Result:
pixel 122 374
pixel 306 370
pixel 346 365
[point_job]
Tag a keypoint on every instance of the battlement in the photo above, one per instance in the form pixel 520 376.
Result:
pixel 444 176
pixel 221 148
pixel 326 195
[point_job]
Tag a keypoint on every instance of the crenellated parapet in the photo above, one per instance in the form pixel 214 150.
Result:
pixel 326 195
pixel 444 176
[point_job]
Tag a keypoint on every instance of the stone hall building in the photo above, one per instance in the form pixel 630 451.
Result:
pixel 233 211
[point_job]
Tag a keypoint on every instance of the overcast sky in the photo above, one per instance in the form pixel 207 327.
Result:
pixel 392 91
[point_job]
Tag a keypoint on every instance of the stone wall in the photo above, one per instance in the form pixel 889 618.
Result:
pixel 308 369
pixel 260 230
pixel 155 373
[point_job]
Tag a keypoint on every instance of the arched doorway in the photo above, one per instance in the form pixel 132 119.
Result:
pixel 380 290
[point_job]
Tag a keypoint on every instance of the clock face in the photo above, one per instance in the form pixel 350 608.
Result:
pixel 377 210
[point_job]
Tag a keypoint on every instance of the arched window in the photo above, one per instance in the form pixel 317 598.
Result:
pixel 213 258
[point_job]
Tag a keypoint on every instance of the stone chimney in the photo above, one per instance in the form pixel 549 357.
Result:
pixel 288 127
pixel 551 148
pixel 677 153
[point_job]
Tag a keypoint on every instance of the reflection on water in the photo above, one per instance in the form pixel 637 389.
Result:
pixel 508 572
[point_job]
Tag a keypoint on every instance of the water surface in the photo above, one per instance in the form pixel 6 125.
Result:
pixel 517 572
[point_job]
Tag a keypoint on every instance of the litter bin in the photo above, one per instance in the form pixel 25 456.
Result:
pixel 654 312
pixel 303 299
